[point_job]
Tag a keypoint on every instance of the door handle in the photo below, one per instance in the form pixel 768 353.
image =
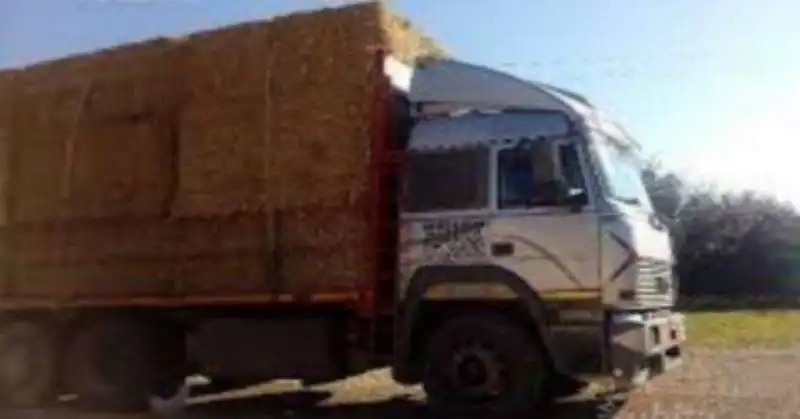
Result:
pixel 502 249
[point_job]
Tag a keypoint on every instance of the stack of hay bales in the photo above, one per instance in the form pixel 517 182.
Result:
pixel 230 161
pixel 89 134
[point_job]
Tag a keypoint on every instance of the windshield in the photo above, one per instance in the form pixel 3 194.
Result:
pixel 622 172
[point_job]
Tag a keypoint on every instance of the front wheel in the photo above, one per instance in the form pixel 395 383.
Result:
pixel 485 365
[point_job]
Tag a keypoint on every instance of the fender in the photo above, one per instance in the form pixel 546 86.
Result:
pixel 430 276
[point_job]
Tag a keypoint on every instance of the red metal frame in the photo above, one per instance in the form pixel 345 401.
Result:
pixel 376 199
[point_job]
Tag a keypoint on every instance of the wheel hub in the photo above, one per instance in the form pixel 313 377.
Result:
pixel 477 372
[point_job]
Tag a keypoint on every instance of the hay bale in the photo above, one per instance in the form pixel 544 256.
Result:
pixel 120 170
pixel 100 118
pixel 222 155
pixel 127 78
pixel 100 259
pixel 323 249
pixel 225 274
pixel 288 123
pixel 303 149
pixel 122 278
pixel 405 42
pixel 139 80
pixel 221 159
pixel 36 132
pixel 38 282
pixel 225 255
pixel 229 62
pixel 119 157
pixel 114 240
pixel 322 98
pixel 120 258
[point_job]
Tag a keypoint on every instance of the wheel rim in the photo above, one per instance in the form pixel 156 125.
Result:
pixel 476 372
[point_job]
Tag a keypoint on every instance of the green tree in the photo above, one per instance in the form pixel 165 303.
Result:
pixel 729 242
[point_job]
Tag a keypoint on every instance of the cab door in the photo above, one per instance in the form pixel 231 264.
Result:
pixel 549 239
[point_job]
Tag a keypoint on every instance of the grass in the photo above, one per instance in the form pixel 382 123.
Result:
pixel 745 328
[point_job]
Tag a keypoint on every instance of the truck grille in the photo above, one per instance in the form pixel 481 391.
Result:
pixel 655 284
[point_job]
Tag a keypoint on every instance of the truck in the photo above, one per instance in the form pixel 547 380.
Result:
pixel 517 257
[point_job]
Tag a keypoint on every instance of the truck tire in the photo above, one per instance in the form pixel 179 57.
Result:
pixel 27 365
pixel 116 365
pixel 484 365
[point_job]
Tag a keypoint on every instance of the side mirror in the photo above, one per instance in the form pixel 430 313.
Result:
pixel 574 198
pixel 660 222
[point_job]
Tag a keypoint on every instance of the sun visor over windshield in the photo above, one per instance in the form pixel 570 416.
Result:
pixel 461 85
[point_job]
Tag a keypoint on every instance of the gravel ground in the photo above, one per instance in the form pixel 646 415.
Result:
pixel 745 383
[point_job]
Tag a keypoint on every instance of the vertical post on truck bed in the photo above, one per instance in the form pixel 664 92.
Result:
pixel 372 290
pixel 376 292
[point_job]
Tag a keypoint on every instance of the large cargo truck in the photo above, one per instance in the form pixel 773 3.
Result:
pixel 487 236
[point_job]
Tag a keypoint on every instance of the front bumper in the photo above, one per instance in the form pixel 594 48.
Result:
pixel 644 345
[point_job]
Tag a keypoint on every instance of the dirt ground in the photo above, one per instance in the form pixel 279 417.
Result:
pixel 741 383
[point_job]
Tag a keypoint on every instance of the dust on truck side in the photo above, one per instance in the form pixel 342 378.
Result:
pixel 512 251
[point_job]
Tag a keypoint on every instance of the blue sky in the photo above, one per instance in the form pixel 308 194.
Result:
pixel 711 86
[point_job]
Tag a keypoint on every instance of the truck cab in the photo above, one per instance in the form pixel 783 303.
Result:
pixel 524 201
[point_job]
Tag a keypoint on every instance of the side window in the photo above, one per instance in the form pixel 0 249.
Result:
pixel 571 166
pixel 527 177
pixel 447 180
pixel 515 178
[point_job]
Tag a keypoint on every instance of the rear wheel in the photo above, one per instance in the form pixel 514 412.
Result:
pixel 484 365
pixel 27 364
pixel 116 365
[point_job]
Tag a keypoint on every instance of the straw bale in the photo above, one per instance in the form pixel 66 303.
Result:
pixel 279 112
pixel 123 258
pixel 322 98
pixel 37 128
pixel 80 113
pixel 405 42
pixel 122 278
pixel 221 274
pixel 39 281
pixel 119 240
pixel 124 78
pixel 221 159
pixel 34 246
pixel 225 254
pixel 102 258
pixel 323 249
pixel 52 75
pixel 136 81
pixel 120 170
pixel 227 62
pixel 244 233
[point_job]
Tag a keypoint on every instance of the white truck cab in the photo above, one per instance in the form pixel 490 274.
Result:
pixel 522 192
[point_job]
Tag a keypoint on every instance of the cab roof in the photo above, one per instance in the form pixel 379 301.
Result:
pixel 439 87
